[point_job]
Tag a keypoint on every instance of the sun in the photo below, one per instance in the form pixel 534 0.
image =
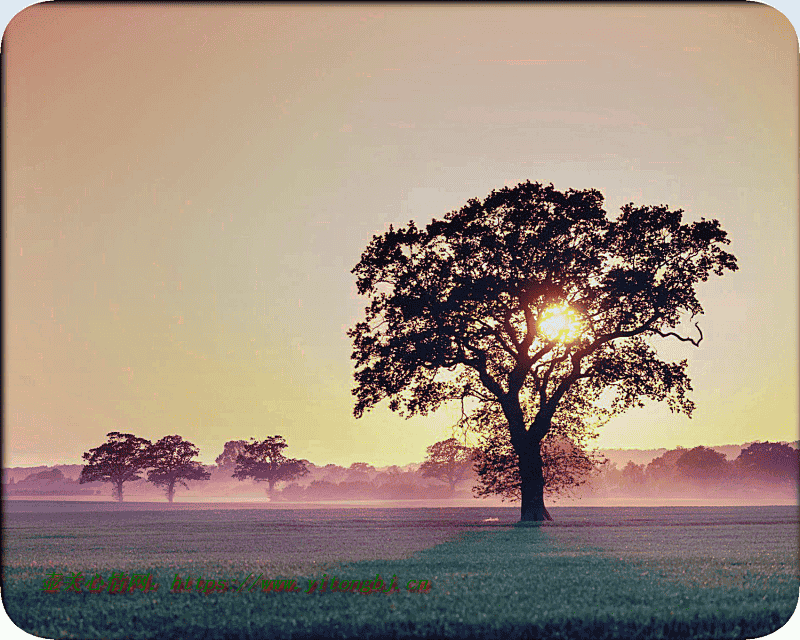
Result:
pixel 560 324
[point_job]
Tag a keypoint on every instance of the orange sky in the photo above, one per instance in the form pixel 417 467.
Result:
pixel 188 188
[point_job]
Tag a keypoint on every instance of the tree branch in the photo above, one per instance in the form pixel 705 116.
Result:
pixel 696 343
pixel 478 362
pixel 619 333
pixel 500 339
pixel 530 330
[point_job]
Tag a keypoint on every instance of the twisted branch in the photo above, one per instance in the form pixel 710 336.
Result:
pixel 696 343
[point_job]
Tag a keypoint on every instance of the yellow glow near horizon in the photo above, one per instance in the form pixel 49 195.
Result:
pixel 152 236
pixel 560 324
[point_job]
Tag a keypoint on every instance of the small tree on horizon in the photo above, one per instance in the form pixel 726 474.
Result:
pixel 633 477
pixel 264 461
pixel 702 464
pixel 117 461
pixel 230 452
pixel 663 470
pixel 359 472
pixel 448 461
pixel 172 464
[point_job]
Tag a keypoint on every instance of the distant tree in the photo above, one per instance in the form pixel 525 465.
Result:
pixel 633 476
pixel 531 298
pixel 264 461
pixel 399 484
pixel 48 476
pixel 770 460
pixel 293 493
pixel 312 468
pixel 117 461
pixel 390 477
pixel 320 490
pixel 230 452
pixel 172 464
pixel 448 461
pixel 702 463
pixel 334 473
pixel 664 467
pixel 359 472
pixel 361 467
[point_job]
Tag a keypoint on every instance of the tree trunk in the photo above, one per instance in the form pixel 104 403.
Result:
pixel 118 490
pixel 171 491
pixel 526 445
pixel 530 470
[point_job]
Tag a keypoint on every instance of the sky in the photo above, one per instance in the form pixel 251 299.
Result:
pixel 187 189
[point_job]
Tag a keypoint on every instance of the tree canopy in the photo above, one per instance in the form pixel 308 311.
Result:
pixel 532 299
pixel 230 452
pixel 264 461
pixel 449 461
pixel 770 459
pixel 117 461
pixel 701 463
pixel 567 461
pixel 172 464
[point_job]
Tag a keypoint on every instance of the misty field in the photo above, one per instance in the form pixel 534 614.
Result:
pixel 688 572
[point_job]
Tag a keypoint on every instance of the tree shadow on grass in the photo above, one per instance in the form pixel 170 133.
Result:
pixel 506 582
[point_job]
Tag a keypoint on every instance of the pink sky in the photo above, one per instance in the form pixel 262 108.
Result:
pixel 188 188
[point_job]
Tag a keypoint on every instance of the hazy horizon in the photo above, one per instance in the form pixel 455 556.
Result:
pixel 611 487
pixel 189 186
pixel 211 459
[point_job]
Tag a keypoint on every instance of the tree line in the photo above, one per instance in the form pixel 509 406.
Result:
pixel 490 467
pixel 170 463
pixel 761 466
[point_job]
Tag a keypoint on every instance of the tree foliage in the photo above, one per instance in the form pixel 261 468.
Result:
pixel 172 464
pixel 475 296
pixel 230 452
pixel 702 463
pixel 664 467
pixel 264 461
pixel 359 472
pixel 567 461
pixel 633 475
pixel 117 461
pixel 770 459
pixel 449 461
pixel 48 476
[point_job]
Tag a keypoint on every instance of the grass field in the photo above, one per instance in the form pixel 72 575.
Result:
pixel 593 573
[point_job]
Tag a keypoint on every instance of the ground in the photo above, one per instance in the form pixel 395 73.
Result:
pixel 593 572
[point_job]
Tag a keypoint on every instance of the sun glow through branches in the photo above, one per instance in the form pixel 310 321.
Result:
pixel 560 324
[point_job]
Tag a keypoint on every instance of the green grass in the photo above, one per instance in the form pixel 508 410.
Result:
pixel 501 582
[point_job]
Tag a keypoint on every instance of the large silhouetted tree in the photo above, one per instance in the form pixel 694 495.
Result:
pixel 171 459
pixel 530 299
pixel 265 461
pixel 117 461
